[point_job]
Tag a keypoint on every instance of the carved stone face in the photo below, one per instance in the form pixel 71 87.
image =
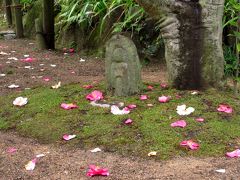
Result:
pixel 119 55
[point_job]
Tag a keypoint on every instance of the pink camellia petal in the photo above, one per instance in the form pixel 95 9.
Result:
pixel 128 121
pixel 87 86
pixel 46 79
pixel 164 85
pixel 11 150
pixel 31 164
pixel 67 137
pixel 199 119
pixel 150 88
pixel 233 154
pixel 143 97
pixel 180 123
pixel 97 171
pixel 27 60
pixel 71 50
pixel 132 106
pixel 225 108
pixel 68 106
pixel 190 144
pixel 95 96
pixel 164 99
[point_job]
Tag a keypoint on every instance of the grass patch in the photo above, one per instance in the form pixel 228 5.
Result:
pixel 43 119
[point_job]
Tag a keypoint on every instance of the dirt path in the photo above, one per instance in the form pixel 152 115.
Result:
pixel 62 163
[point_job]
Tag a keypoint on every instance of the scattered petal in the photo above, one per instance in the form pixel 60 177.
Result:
pixel 149 105
pixel 194 92
pixel 180 123
pixel 31 164
pixel 13 86
pixel 143 97
pixel 82 60
pixel 233 154
pixel 183 110
pixel 200 119
pixel 96 150
pixel 221 170
pixel 28 60
pixel 116 111
pixel 88 86
pixel 13 58
pixel 164 99
pixel 2 75
pixel 56 86
pixel 164 85
pixel 67 137
pixel 46 79
pixel 150 88
pixel 97 171
pixel 225 108
pixel 131 106
pixel 26 55
pixel 128 121
pixel 20 101
pixel 190 144
pixel 40 155
pixel 153 153
pixel 53 65
pixel 95 96
pixel 103 105
pixel 68 106
pixel 11 150
pixel 4 53
pixel 71 50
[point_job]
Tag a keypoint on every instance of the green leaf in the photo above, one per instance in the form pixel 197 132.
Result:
pixel 238 47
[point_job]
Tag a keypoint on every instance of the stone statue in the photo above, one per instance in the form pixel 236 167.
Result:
pixel 123 69
pixel 192 33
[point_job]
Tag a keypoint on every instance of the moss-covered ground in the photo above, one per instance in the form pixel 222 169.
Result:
pixel 43 119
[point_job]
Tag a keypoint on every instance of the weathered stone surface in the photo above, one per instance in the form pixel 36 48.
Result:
pixel 192 34
pixel 123 69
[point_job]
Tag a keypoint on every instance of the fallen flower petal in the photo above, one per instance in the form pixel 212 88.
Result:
pixel 2 75
pixel 180 123
pixel 56 86
pixel 95 96
pixel 103 105
pixel 128 121
pixel 143 97
pixel 88 86
pixel 221 170
pixel 31 164
pixel 20 101
pixel 150 88
pixel 132 106
pixel 40 155
pixel 11 150
pixel 67 137
pixel 149 105
pixel 68 106
pixel 13 58
pixel 233 154
pixel 97 171
pixel 71 50
pixel 53 65
pixel 153 153
pixel 225 108
pixel 116 111
pixel 46 79
pixel 199 119
pixel 164 85
pixel 28 60
pixel 190 144
pixel 82 60
pixel 13 86
pixel 96 150
pixel 182 110
pixel 164 99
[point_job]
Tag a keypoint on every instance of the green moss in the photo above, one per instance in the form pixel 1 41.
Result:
pixel 43 119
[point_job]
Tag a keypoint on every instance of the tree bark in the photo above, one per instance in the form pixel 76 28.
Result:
pixel 192 33
pixel 8 12
pixel 48 23
pixel 39 35
pixel 18 19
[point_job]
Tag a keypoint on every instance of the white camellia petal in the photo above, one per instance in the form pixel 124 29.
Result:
pixel 20 101
pixel 182 110
pixel 13 86
pixel 116 111
pixel 31 165
pixel 96 150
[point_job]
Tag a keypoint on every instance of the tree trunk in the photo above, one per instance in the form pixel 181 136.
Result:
pixel 48 23
pixel 192 33
pixel 39 35
pixel 8 12
pixel 18 19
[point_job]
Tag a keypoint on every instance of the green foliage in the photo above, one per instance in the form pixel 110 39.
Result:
pixel 230 23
